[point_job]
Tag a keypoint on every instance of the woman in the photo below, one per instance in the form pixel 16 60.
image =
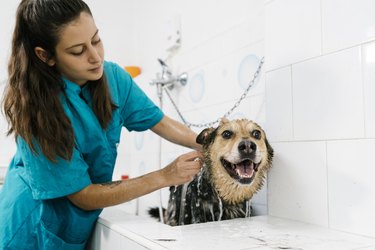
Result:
pixel 66 107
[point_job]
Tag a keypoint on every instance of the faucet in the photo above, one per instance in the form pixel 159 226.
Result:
pixel 167 79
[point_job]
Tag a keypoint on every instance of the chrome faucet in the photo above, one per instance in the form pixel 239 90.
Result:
pixel 167 79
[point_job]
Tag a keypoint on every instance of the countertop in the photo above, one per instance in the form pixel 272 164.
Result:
pixel 259 232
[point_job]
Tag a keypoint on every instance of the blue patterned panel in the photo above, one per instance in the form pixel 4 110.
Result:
pixel 246 70
pixel 197 87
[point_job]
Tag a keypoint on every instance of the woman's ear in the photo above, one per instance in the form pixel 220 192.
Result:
pixel 44 56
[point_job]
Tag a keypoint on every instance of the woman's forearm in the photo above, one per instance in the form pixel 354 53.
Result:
pixel 96 196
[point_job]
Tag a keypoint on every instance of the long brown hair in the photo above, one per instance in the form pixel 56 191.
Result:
pixel 32 99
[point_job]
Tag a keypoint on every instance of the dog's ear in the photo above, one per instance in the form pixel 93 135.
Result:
pixel 224 120
pixel 204 136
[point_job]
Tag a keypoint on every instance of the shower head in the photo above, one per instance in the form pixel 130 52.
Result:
pixel 162 63
pixel 166 72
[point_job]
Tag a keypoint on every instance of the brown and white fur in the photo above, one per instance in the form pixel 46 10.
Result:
pixel 237 157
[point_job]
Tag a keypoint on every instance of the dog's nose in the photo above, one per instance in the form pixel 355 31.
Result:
pixel 247 147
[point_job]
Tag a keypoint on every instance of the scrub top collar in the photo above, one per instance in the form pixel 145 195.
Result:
pixel 71 85
pixel 82 91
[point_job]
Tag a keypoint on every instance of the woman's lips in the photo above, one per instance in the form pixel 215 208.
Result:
pixel 96 69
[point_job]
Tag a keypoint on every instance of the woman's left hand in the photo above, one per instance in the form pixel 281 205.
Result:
pixel 183 169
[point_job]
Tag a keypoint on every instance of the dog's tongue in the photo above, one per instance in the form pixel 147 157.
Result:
pixel 245 169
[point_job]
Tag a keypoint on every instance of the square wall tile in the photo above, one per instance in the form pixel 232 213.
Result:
pixel 258 109
pixel 140 142
pixel 346 23
pixel 219 82
pixel 259 201
pixel 202 20
pixel 292 31
pixel 244 34
pixel 351 186
pixel 368 62
pixel 123 159
pixel 142 163
pixel 328 97
pixel 279 105
pixel 297 182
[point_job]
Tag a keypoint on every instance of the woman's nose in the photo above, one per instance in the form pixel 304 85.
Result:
pixel 94 55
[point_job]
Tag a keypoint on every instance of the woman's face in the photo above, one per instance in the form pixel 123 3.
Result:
pixel 79 52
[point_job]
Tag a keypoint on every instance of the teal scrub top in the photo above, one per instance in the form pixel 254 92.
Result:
pixel 34 210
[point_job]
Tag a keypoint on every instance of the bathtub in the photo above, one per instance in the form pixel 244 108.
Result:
pixel 117 229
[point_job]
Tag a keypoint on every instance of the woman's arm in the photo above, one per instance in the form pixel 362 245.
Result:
pixel 95 196
pixel 176 132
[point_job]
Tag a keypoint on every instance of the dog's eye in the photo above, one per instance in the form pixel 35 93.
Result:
pixel 256 134
pixel 227 134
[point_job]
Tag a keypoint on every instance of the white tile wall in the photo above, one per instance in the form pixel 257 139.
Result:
pixel 7 13
pixel 292 31
pixel 328 97
pixel 311 93
pixel 351 186
pixel 347 23
pixel 320 112
pixel 368 56
pixel 297 187
pixel 279 104
pixel 204 20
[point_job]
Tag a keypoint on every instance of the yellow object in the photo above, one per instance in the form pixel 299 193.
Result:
pixel 133 70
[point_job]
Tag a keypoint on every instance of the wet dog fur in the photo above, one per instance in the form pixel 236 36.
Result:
pixel 236 159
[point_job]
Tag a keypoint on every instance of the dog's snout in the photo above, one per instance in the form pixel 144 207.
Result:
pixel 247 147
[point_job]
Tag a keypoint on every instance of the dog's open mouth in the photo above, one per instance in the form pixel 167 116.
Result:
pixel 242 171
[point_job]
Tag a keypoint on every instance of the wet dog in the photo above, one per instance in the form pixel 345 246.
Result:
pixel 237 157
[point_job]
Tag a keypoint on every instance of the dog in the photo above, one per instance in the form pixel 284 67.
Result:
pixel 237 157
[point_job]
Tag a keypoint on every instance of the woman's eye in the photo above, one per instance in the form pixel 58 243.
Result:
pixel 96 42
pixel 227 134
pixel 77 53
pixel 256 134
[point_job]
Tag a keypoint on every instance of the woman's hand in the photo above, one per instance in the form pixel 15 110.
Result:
pixel 183 169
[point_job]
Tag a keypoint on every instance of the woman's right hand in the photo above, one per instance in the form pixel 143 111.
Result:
pixel 183 169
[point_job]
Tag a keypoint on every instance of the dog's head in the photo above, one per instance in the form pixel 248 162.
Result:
pixel 237 157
